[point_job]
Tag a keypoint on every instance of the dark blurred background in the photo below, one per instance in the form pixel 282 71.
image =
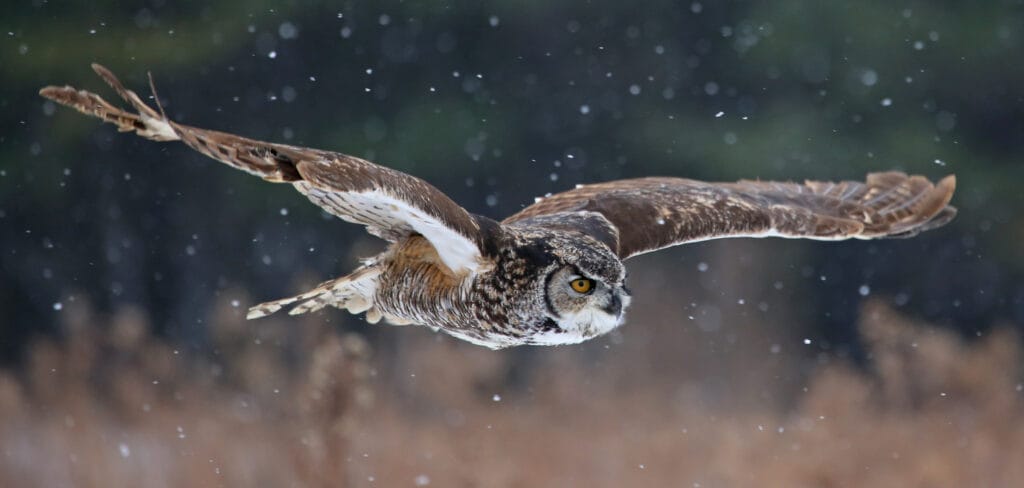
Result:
pixel 496 103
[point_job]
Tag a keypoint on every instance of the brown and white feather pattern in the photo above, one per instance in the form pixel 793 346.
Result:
pixel 390 203
pixel 653 213
pixel 515 282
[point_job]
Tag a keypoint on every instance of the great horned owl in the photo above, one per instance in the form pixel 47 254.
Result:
pixel 550 274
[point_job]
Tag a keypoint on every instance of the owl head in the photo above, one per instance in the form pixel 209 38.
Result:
pixel 583 289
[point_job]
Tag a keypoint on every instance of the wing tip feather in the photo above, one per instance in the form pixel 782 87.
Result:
pixel 928 207
pixel 948 186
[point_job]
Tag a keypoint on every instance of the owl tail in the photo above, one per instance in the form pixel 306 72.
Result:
pixel 147 122
pixel 353 292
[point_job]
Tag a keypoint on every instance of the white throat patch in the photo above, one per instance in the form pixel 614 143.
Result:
pixel 578 327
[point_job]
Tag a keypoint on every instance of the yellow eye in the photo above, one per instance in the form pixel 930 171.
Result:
pixel 582 285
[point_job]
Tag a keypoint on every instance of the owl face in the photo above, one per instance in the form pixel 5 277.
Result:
pixel 583 302
pixel 584 295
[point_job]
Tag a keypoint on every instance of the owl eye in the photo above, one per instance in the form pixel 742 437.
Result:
pixel 582 285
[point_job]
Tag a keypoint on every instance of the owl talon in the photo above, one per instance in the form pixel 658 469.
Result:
pixel 352 292
pixel 356 305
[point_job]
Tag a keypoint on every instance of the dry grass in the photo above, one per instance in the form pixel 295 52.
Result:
pixel 285 404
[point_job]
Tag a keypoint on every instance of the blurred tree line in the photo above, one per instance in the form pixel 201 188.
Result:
pixel 496 103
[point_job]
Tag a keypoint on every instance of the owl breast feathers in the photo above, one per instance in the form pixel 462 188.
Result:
pixel 553 272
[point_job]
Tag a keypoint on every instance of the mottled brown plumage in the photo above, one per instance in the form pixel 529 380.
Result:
pixel 550 274
pixel 654 213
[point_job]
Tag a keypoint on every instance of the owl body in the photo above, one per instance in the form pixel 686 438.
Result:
pixel 519 296
pixel 553 272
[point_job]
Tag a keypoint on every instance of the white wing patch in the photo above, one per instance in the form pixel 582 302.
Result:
pixel 776 233
pixel 158 129
pixel 760 235
pixel 391 218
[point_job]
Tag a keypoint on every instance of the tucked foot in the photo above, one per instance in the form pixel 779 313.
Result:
pixel 353 293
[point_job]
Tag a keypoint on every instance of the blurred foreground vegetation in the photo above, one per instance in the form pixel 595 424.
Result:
pixel 111 405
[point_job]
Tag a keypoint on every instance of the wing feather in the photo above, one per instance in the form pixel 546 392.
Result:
pixel 391 204
pixel 654 213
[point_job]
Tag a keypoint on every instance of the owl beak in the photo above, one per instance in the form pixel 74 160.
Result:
pixel 614 307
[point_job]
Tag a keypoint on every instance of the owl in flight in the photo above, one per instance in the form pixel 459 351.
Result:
pixel 550 274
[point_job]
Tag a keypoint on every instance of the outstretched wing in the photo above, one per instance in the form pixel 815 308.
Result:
pixel 648 214
pixel 391 204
